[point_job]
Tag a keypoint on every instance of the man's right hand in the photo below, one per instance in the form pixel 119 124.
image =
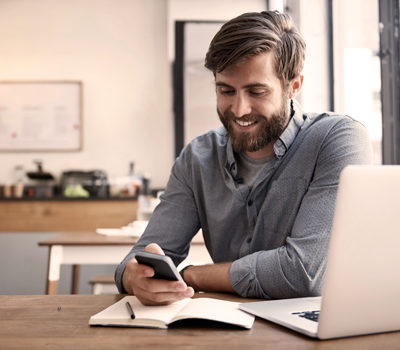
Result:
pixel 137 280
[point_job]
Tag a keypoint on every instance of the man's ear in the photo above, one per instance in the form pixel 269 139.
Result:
pixel 295 86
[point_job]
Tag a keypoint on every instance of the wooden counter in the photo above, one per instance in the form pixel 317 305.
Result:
pixel 52 215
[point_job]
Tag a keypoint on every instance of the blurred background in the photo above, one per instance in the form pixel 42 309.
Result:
pixel 97 97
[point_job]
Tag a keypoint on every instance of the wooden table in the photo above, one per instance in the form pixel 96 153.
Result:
pixel 61 322
pixel 78 248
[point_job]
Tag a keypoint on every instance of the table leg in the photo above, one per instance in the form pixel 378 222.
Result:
pixel 76 272
pixel 53 268
pixel 51 287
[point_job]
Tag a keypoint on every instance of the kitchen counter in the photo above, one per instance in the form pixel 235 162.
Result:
pixel 62 198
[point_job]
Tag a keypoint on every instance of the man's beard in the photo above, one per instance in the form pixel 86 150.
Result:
pixel 268 131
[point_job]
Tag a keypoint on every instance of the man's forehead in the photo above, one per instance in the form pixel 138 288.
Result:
pixel 231 80
pixel 260 68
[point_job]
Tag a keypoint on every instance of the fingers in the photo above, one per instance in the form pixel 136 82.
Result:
pixel 154 285
pixel 137 280
pixel 163 298
pixel 151 291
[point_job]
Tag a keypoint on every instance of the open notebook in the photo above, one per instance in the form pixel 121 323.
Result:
pixel 215 310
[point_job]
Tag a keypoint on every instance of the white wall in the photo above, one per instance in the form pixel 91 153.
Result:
pixel 118 50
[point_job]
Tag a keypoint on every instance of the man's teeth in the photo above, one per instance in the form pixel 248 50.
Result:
pixel 243 123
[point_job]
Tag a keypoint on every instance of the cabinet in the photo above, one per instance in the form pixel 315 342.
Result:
pixel 52 215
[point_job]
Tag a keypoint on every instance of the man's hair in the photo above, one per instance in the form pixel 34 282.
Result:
pixel 258 32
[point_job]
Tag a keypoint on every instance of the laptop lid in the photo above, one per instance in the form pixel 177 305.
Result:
pixel 362 282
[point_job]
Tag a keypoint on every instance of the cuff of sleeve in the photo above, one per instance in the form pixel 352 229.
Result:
pixel 181 272
pixel 260 275
pixel 244 279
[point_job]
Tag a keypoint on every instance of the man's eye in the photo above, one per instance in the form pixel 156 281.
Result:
pixel 257 92
pixel 226 91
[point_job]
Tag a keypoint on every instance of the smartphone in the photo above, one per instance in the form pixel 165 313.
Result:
pixel 163 266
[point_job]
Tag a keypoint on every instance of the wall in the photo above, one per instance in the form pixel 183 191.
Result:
pixel 118 50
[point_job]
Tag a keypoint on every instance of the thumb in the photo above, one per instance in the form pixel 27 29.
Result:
pixel 154 248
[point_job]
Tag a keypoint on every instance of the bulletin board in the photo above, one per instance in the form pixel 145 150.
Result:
pixel 40 116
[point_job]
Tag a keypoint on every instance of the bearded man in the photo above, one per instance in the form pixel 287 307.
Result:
pixel 262 188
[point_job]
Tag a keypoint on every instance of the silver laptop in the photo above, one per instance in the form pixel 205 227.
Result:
pixel 361 291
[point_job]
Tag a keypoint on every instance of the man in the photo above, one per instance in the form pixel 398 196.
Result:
pixel 263 187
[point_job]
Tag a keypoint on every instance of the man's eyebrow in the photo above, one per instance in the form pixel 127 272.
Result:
pixel 220 83
pixel 258 85
pixel 252 85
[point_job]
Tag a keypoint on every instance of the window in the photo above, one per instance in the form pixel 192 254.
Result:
pixel 357 74
pixel 389 52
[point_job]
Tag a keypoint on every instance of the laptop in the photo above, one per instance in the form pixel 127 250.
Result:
pixel 361 291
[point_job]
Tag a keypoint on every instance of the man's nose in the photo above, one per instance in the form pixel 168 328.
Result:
pixel 241 106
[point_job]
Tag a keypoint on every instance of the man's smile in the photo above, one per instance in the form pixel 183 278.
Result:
pixel 244 123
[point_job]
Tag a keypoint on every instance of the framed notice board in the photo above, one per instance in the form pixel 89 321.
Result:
pixel 40 116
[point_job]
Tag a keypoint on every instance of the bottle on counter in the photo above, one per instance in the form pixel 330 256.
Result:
pixel 19 181
pixel 126 186
pixel 146 201
pixel 135 181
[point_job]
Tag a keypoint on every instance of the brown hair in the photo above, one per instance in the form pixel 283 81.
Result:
pixel 254 33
